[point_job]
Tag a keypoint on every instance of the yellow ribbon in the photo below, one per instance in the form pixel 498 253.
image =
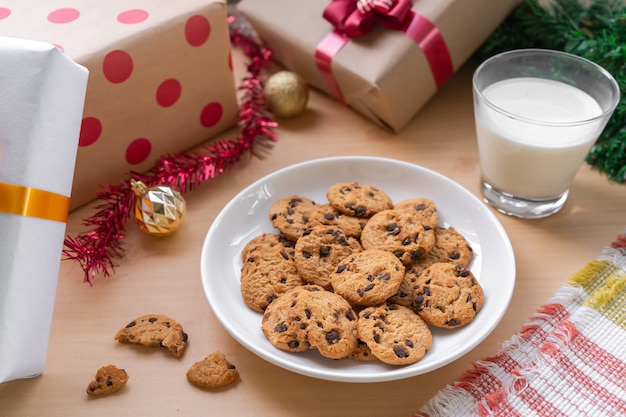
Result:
pixel 31 202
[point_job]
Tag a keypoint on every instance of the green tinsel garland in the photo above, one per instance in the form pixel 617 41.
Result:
pixel 596 31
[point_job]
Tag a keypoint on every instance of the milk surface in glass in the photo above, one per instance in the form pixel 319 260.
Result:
pixel 532 157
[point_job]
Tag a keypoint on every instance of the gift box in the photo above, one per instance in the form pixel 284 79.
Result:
pixel 160 77
pixel 383 58
pixel 43 94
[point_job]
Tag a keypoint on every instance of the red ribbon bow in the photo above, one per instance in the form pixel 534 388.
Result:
pixel 357 17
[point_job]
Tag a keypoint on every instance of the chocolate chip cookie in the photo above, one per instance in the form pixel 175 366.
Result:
pixel 358 200
pixel 447 295
pixel 268 240
pixel 319 251
pixel 309 317
pixel 108 379
pixel 368 278
pixel 155 330
pixel 327 215
pixel 290 215
pixel 267 273
pixel 424 208
pixel 214 371
pixel 399 232
pixel 394 334
pixel 450 246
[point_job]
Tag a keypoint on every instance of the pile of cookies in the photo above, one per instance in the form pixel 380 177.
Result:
pixel 358 276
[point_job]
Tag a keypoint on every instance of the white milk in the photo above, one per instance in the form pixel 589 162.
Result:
pixel 529 158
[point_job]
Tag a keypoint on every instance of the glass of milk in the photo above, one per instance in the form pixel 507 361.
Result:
pixel 538 113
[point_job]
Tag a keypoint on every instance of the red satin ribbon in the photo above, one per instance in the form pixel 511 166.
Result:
pixel 349 22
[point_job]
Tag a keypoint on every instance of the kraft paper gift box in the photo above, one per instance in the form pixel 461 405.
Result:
pixel 389 72
pixel 160 77
pixel 43 93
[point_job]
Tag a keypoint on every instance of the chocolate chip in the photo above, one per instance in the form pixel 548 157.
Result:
pixel 426 291
pixel 333 337
pixel 341 268
pixel 376 337
pixel 185 337
pixel 231 366
pixel 350 316
pixel 131 324
pixel 385 277
pixel 451 322
pixel 400 352
pixel 324 251
pixel 152 319
pixel 293 344
pixel 420 207
pixel 454 256
pixel 281 327
pixel 329 216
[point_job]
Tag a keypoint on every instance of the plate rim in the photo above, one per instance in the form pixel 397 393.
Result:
pixel 330 374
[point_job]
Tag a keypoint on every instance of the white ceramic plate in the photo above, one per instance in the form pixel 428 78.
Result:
pixel 246 216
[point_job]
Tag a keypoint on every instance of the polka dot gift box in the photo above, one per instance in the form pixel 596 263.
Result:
pixel 160 77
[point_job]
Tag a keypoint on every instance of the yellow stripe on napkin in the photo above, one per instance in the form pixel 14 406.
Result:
pixel 31 202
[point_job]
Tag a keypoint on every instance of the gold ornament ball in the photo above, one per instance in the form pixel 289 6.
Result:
pixel 159 210
pixel 286 94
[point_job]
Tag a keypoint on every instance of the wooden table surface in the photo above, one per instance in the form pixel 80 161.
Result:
pixel 163 276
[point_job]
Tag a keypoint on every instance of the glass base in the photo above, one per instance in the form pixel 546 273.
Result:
pixel 524 208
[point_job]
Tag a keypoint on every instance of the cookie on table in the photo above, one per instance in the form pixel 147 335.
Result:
pixel 290 215
pixel 394 334
pixel 319 251
pixel 155 330
pixel 214 371
pixel 368 278
pixel 358 200
pixel 275 241
pixel 450 246
pixel 424 208
pixel 398 232
pixel 309 317
pixel 267 273
pixel 447 295
pixel 327 215
pixel 108 379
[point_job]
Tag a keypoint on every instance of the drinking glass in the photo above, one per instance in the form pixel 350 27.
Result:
pixel 538 113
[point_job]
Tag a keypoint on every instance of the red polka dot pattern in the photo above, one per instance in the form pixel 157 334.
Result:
pixel 127 69
pixel 211 114
pixel 90 131
pixel 197 30
pixel 117 66
pixel 138 151
pixel 65 15
pixel 168 92
pixel 131 17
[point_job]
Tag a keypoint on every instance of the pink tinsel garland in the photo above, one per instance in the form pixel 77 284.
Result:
pixel 95 249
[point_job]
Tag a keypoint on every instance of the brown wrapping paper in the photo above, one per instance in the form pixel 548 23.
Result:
pixel 382 75
pixel 170 88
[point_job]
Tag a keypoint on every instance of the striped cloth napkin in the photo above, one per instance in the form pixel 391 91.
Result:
pixel 568 360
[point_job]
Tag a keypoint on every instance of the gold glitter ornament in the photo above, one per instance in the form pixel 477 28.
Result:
pixel 159 210
pixel 286 94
